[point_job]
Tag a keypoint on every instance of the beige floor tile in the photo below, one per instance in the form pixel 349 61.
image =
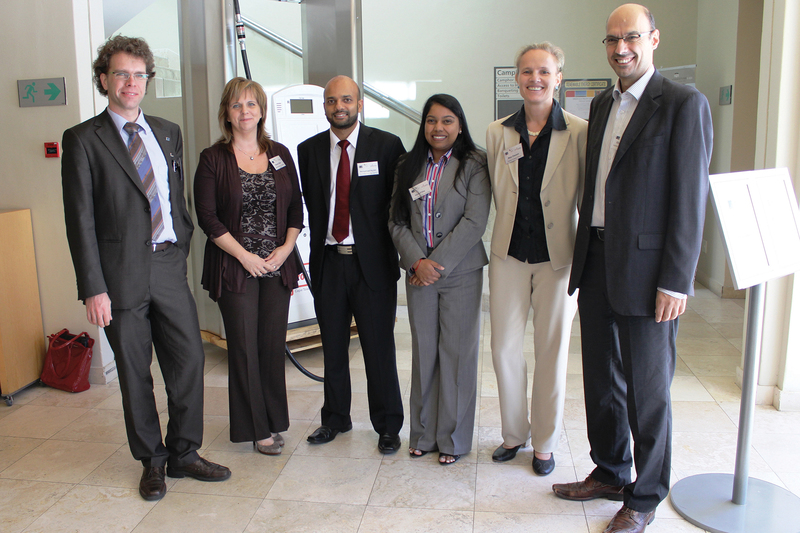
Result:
pixel 181 512
pixel 791 481
pixel 213 427
pixel 722 388
pixel 94 509
pixel 252 475
pixel 697 330
pixel 511 488
pixel 14 448
pixel 38 421
pixel 681 368
pixel 425 484
pixel 60 461
pixel 489 413
pixel 781 452
pixel 574 387
pixel 305 517
pixel 359 442
pixel 297 381
pixel 710 452
pixel 767 419
pixel 215 401
pixel 96 426
pixel 700 417
pixel 574 414
pixel 391 520
pixel 712 365
pixel 24 501
pixel 86 399
pixel 214 354
pixel 326 480
pixel 114 401
pixel 304 405
pixel 216 376
pixel 120 470
pixel 524 523
pixel 689 389
pixel 706 346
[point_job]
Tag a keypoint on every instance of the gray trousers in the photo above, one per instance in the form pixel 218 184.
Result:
pixel 445 332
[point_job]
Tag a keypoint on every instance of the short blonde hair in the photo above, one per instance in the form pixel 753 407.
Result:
pixel 548 47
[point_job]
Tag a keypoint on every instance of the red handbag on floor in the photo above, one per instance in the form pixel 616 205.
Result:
pixel 67 363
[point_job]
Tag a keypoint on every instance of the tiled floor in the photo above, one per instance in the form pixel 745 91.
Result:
pixel 65 465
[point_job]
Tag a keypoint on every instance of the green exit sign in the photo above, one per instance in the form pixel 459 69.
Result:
pixel 41 92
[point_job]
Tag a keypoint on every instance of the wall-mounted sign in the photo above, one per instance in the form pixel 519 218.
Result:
pixel 41 92
pixel 576 95
pixel 506 93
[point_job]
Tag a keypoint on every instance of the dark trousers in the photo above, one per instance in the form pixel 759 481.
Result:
pixel 628 365
pixel 255 327
pixel 166 320
pixel 339 295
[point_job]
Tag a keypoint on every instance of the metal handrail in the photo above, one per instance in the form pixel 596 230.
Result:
pixel 380 97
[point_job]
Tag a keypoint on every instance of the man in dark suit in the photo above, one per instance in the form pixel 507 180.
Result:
pixel 129 232
pixel 347 175
pixel 638 242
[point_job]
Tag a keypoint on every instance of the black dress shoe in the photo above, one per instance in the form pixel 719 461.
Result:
pixel 388 443
pixel 325 434
pixel 152 486
pixel 201 470
pixel 503 454
pixel 542 467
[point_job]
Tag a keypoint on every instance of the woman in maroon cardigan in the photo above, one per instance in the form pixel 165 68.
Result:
pixel 248 202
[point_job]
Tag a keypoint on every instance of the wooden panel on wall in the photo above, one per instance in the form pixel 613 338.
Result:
pixel 22 341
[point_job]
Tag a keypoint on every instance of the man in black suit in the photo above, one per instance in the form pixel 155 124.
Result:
pixel 638 242
pixel 354 265
pixel 129 232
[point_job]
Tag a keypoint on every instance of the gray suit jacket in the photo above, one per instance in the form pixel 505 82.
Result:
pixel 107 212
pixel 461 214
pixel 655 195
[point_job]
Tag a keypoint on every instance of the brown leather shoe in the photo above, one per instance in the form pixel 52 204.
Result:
pixel 629 521
pixel 152 486
pixel 588 489
pixel 201 470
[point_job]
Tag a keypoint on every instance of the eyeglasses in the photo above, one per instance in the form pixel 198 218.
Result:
pixel 125 76
pixel 629 39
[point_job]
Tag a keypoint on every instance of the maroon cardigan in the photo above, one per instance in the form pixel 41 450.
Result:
pixel 218 203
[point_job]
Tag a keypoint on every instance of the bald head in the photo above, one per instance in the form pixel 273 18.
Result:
pixel 631 38
pixel 342 105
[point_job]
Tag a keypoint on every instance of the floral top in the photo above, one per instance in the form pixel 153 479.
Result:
pixel 258 214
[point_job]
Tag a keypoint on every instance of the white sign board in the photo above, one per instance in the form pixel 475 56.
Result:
pixel 757 212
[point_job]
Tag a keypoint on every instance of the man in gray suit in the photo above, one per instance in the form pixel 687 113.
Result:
pixel 638 241
pixel 129 232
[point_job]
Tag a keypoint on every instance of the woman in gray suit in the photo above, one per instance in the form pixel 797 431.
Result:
pixel 438 215
pixel 536 162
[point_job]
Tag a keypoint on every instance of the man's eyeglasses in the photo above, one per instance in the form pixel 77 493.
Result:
pixel 631 38
pixel 125 76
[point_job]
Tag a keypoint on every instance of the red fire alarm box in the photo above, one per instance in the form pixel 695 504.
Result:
pixel 52 150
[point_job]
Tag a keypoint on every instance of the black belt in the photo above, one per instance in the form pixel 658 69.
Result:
pixel 598 232
pixel 343 249
pixel 161 246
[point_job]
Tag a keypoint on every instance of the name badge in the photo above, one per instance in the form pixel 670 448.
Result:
pixel 369 168
pixel 420 189
pixel 513 154
pixel 277 162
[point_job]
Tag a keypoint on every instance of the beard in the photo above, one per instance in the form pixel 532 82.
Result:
pixel 342 124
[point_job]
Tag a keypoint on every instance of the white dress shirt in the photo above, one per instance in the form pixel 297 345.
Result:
pixel 336 154
pixel 160 168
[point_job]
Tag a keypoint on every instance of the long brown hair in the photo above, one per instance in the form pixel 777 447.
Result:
pixel 233 90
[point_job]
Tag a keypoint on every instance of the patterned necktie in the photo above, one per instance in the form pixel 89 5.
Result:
pixel 341 211
pixel 142 162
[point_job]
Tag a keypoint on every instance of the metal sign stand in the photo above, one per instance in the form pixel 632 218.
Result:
pixel 725 503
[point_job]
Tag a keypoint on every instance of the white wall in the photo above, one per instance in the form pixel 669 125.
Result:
pixel 45 39
pixel 717 23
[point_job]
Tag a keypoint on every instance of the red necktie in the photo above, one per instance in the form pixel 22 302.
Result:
pixel 341 212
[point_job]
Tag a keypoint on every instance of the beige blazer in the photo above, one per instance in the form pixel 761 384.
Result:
pixel 461 211
pixel 562 186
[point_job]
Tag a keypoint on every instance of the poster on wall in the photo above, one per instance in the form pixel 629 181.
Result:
pixel 576 94
pixel 506 94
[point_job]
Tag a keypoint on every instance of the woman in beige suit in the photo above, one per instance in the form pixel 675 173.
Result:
pixel 536 162
pixel 439 212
